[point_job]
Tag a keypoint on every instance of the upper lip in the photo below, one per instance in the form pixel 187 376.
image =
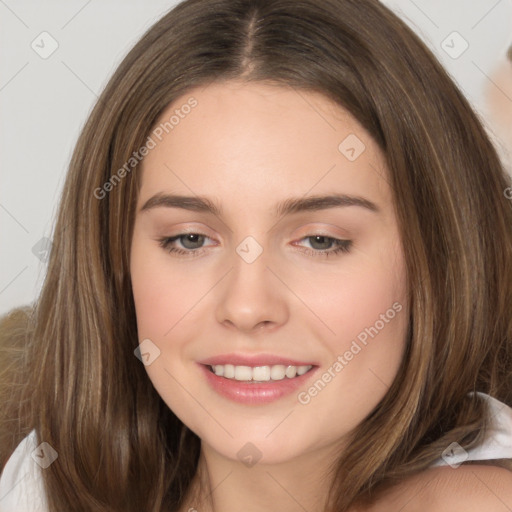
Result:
pixel 254 360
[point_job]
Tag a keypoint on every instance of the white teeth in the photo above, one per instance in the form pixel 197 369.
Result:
pixel 229 371
pixel 243 373
pixel 277 372
pixel 301 370
pixel 259 373
pixel 291 371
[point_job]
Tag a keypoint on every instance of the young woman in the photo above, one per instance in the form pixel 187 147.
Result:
pixel 281 278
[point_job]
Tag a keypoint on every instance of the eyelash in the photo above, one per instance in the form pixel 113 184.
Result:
pixel 341 246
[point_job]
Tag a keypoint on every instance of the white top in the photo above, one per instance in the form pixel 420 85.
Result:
pixel 21 486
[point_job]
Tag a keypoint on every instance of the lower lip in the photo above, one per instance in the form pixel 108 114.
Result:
pixel 261 393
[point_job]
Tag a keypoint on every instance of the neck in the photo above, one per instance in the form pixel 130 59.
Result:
pixel 227 485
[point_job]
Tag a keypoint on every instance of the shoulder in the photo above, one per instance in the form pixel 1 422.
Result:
pixel 21 484
pixel 476 487
pixel 466 488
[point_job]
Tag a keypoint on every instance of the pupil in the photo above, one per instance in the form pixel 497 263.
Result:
pixel 190 238
pixel 316 238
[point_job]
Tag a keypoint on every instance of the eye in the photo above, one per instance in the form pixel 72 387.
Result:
pixel 192 245
pixel 190 242
pixel 340 246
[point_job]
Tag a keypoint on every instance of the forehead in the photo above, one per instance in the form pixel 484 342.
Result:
pixel 261 140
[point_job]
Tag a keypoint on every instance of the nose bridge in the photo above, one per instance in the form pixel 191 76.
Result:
pixel 250 295
pixel 249 277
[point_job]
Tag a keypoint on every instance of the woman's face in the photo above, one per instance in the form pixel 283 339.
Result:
pixel 257 283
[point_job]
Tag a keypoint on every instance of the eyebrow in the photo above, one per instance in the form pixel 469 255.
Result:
pixel 286 207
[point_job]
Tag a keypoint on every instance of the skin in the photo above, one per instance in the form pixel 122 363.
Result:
pixel 467 488
pixel 246 147
pixel 498 102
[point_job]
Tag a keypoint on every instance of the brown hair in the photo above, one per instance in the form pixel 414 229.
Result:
pixel 14 336
pixel 119 445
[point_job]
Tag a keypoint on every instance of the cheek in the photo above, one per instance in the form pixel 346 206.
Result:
pixel 373 308
pixel 498 97
pixel 499 108
pixel 369 293
pixel 162 299
pixel 366 308
pixel 163 294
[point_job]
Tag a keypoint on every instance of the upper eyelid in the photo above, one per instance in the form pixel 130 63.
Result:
pixel 321 231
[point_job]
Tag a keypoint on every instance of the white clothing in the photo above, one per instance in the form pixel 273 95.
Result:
pixel 21 486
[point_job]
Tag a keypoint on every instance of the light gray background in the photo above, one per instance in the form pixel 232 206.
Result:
pixel 45 102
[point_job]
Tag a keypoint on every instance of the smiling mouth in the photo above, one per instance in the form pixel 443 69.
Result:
pixel 259 374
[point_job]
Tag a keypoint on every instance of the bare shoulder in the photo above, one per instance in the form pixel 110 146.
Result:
pixel 472 487
pixel 466 488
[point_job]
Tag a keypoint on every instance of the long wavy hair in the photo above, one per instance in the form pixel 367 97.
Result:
pixel 86 394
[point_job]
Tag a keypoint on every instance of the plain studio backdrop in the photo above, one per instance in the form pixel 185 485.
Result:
pixel 56 57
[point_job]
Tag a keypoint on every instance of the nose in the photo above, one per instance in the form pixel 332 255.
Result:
pixel 251 297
